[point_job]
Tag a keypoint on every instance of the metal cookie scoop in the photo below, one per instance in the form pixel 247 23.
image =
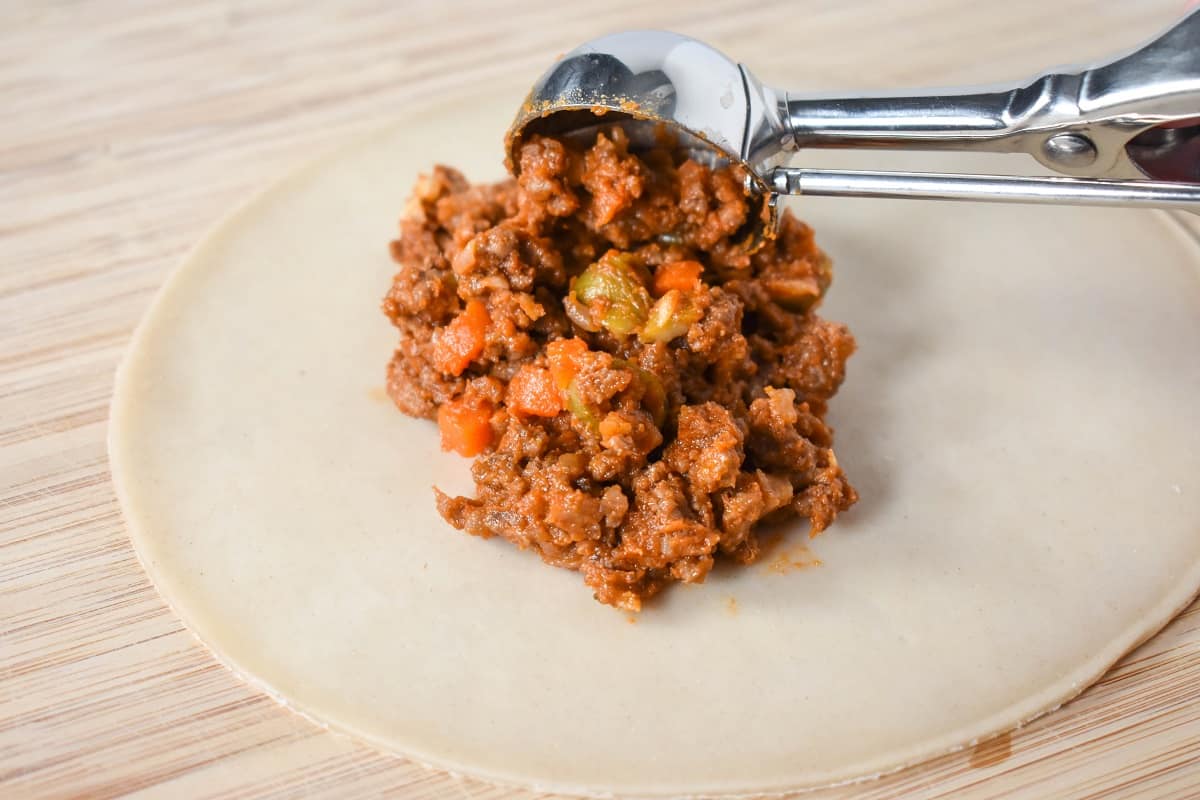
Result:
pixel 1127 131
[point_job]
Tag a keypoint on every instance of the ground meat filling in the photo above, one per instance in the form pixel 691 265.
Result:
pixel 637 390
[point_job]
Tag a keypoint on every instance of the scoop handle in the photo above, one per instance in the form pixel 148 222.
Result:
pixel 991 188
pixel 1076 121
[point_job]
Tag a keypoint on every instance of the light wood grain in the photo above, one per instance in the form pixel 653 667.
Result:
pixel 129 127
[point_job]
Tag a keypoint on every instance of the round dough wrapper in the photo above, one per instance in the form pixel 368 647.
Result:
pixel 1020 419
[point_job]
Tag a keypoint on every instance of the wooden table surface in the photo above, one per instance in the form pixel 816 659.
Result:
pixel 129 127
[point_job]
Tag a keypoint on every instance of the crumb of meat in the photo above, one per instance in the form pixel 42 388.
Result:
pixel 662 456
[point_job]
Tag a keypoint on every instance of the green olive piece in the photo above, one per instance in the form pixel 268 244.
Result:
pixel 654 396
pixel 612 293
pixel 670 317
pixel 582 411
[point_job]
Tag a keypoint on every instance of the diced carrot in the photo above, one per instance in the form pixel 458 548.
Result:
pixel 532 391
pixel 563 355
pixel 459 343
pixel 681 275
pixel 466 426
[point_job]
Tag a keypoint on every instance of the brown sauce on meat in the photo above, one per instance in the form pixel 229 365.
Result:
pixel 638 390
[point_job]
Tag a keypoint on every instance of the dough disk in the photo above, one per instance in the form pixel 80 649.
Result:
pixel 1021 420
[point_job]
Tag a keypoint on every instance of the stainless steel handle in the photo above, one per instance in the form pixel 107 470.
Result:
pixel 927 121
pixel 992 188
pixel 1077 122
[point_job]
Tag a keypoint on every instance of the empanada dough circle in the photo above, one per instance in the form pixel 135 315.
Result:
pixel 1021 420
